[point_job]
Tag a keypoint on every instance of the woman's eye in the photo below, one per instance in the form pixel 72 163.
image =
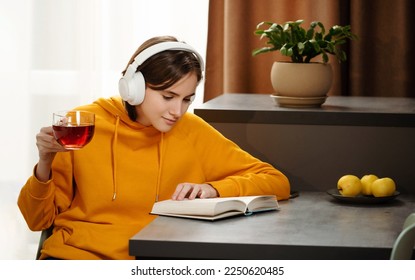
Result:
pixel 190 99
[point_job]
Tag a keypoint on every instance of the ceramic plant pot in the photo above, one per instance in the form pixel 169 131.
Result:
pixel 301 79
pixel 304 84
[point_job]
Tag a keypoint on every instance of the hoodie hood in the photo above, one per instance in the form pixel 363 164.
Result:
pixel 115 107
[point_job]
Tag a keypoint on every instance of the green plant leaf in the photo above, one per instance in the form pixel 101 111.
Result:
pixel 342 56
pixel 294 41
pixel 310 34
pixel 300 47
pixel 323 30
pixel 315 45
pixel 286 51
pixel 325 57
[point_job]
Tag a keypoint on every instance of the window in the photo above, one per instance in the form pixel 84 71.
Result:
pixel 60 54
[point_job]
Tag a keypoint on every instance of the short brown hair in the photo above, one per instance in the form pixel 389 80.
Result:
pixel 164 69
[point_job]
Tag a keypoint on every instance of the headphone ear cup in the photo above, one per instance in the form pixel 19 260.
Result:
pixel 137 87
pixel 133 90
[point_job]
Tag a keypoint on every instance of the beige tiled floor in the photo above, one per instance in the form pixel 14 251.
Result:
pixel 17 242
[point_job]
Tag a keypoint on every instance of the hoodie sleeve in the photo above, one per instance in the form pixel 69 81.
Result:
pixel 233 171
pixel 39 202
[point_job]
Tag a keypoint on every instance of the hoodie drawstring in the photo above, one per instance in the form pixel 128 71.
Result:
pixel 114 159
pixel 114 162
pixel 160 166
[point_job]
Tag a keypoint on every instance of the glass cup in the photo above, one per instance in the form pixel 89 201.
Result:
pixel 73 129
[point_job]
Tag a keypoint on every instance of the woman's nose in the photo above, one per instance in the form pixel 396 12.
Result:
pixel 176 108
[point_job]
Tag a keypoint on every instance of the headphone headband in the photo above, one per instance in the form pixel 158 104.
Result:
pixel 132 85
pixel 161 47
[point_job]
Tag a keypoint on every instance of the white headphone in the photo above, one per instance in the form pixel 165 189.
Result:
pixel 132 86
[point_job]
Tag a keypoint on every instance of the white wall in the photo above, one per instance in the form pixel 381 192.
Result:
pixel 56 54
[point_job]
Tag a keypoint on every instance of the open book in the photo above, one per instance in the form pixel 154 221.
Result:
pixel 215 208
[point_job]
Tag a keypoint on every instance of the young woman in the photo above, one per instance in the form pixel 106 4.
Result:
pixel 145 148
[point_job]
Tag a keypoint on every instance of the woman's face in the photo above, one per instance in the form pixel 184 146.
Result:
pixel 163 108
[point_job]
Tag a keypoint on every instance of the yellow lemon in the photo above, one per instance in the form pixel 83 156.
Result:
pixel 349 185
pixel 383 187
pixel 367 181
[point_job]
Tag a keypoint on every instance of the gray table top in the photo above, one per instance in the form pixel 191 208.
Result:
pixel 311 226
pixel 337 110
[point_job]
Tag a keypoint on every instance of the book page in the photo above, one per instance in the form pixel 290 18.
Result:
pixel 198 207
pixel 211 207
pixel 261 203
pixel 208 218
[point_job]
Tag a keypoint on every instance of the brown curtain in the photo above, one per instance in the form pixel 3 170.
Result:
pixel 380 63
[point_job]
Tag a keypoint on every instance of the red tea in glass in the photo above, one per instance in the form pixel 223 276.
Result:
pixel 73 129
pixel 73 137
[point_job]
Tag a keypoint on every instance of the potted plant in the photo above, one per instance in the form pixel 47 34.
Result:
pixel 297 78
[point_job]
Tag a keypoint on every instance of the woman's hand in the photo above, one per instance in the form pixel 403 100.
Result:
pixel 47 147
pixel 191 191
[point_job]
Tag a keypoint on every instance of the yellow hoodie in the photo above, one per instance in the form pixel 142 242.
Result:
pixel 100 196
